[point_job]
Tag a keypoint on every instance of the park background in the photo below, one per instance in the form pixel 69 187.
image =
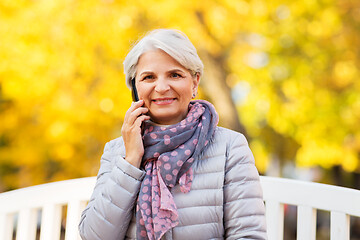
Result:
pixel 284 73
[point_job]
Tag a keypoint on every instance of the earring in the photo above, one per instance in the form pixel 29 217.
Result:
pixel 193 95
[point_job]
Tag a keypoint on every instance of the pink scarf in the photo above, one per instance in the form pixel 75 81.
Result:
pixel 169 153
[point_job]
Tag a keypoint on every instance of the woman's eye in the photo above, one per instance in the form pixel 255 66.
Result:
pixel 175 75
pixel 148 77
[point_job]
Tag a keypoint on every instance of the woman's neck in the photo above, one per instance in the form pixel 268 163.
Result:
pixel 157 124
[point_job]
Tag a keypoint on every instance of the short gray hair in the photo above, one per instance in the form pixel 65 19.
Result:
pixel 173 42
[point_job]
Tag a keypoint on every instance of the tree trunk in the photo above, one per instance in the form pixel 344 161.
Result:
pixel 219 93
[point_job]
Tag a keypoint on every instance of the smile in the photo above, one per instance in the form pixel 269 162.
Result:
pixel 163 101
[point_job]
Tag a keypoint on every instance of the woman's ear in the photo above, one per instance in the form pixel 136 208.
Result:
pixel 196 83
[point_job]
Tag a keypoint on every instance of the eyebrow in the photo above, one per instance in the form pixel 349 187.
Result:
pixel 170 71
pixel 145 73
pixel 175 70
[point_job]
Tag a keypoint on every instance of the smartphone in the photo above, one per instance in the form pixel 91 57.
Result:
pixel 134 92
pixel 135 98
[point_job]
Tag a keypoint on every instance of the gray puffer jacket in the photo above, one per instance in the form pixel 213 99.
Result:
pixel 225 201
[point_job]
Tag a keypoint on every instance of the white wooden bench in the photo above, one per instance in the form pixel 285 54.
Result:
pixel 49 200
pixel 308 197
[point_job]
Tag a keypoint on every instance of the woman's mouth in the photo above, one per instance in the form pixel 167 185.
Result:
pixel 163 101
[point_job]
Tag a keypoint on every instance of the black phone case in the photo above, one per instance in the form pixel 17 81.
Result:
pixel 135 96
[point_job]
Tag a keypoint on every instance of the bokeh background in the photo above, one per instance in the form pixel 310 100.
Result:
pixel 285 73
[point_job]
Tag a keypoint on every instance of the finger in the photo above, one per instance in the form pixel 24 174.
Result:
pixel 131 119
pixel 135 114
pixel 134 105
pixel 138 103
pixel 134 128
pixel 139 111
pixel 140 120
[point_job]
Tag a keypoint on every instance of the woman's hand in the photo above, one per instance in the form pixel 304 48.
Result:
pixel 131 132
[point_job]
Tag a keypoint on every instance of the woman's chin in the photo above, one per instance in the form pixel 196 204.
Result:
pixel 166 119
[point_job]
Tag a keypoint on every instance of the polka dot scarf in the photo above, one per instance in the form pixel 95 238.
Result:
pixel 169 153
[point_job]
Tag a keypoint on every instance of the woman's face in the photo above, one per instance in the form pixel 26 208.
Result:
pixel 165 86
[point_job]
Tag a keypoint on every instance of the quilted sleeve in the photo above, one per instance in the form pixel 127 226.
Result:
pixel 110 208
pixel 244 211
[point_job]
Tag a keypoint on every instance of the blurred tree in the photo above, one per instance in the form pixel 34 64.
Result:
pixel 283 70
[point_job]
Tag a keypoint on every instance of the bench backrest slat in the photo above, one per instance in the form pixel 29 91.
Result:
pixel 73 218
pixel 339 226
pixel 26 229
pixel 6 225
pixel 51 221
pixel 274 219
pixel 306 223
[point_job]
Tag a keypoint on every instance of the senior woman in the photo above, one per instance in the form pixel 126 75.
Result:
pixel 174 174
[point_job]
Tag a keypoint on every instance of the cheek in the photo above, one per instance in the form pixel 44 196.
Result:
pixel 143 92
pixel 187 92
pixel 185 89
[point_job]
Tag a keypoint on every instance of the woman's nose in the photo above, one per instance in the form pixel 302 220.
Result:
pixel 161 85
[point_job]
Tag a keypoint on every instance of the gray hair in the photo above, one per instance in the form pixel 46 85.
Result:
pixel 173 42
